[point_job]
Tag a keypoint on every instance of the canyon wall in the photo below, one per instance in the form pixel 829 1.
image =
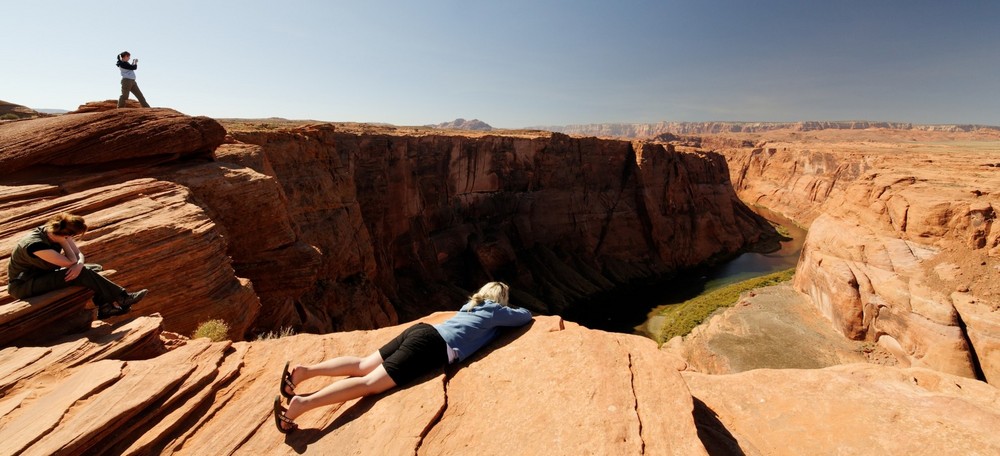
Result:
pixel 326 228
pixel 419 219
pixel 903 248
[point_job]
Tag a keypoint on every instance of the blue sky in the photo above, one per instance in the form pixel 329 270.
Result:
pixel 517 63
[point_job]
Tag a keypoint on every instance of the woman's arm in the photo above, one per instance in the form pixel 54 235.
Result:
pixel 55 258
pixel 72 260
pixel 72 250
pixel 510 316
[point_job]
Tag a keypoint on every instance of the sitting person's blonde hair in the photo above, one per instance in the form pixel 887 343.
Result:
pixel 497 292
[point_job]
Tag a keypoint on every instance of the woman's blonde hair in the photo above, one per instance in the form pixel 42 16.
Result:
pixel 66 224
pixel 497 292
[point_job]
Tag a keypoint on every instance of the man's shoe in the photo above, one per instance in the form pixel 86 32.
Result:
pixel 132 298
pixel 106 311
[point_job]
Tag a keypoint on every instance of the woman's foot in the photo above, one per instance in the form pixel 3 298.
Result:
pixel 284 423
pixel 129 299
pixel 288 382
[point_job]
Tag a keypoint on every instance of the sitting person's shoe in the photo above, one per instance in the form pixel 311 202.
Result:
pixel 131 298
pixel 106 311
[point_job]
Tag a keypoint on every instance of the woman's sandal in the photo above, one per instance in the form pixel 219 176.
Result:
pixel 280 419
pixel 286 382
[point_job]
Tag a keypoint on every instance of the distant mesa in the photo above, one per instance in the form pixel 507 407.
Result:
pixel 462 124
pixel 651 130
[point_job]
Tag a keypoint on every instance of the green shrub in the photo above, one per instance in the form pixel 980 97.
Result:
pixel 680 319
pixel 215 330
pixel 9 116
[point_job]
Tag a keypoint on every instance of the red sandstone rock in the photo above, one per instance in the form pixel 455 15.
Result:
pixel 18 111
pixel 105 105
pixel 45 316
pixel 206 398
pixel 359 228
pixel 896 227
pixel 152 234
pixel 849 409
pixel 105 137
pixel 422 218
pixel 552 387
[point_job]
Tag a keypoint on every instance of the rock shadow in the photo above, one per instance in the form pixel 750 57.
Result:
pixel 718 441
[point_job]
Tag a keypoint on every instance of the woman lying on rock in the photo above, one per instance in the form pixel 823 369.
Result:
pixel 417 351
pixel 48 259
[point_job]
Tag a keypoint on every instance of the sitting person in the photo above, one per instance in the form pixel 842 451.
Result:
pixel 420 349
pixel 48 259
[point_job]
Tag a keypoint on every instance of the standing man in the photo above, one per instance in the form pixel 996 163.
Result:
pixel 128 80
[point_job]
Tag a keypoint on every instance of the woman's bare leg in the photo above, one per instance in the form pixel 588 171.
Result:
pixel 343 390
pixel 342 366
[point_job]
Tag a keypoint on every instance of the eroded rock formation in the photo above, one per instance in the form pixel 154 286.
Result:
pixel 327 227
pixel 903 247
pixel 419 218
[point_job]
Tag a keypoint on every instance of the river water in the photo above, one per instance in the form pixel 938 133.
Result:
pixel 638 311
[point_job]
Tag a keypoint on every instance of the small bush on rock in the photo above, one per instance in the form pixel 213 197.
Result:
pixel 214 330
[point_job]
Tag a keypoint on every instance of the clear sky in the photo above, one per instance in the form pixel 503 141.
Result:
pixel 514 63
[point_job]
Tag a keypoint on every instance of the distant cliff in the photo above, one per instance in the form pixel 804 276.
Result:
pixel 11 111
pixel 650 130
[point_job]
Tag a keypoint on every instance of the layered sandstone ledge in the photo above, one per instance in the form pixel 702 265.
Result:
pixel 549 388
pixel 903 246
pixel 338 227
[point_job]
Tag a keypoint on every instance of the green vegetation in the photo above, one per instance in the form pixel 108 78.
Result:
pixel 215 330
pixel 9 116
pixel 680 319
pixel 282 332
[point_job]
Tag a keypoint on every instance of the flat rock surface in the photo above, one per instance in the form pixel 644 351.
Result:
pixel 853 409
pixel 205 398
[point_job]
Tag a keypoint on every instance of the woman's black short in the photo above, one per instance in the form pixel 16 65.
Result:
pixel 417 351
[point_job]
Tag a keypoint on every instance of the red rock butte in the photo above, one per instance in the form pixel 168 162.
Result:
pixel 349 231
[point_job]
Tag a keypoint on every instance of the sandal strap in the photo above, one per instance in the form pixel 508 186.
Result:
pixel 285 419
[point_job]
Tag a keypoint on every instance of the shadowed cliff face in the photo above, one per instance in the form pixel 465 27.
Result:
pixel 422 219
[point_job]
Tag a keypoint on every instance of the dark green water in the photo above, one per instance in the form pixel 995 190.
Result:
pixel 743 267
pixel 635 312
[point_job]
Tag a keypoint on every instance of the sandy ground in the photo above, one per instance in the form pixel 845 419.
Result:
pixel 771 328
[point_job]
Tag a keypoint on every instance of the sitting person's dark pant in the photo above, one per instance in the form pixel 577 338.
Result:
pixel 105 291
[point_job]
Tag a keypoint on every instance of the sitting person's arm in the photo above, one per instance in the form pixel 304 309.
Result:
pixel 73 265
